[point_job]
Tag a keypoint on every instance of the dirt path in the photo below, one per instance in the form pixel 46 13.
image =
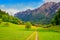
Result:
pixel 30 35
pixel 34 33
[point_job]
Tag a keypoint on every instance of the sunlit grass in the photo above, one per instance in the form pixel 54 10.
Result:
pixel 12 32
pixel 19 32
pixel 49 36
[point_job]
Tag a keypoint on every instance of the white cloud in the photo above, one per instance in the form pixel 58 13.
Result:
pixel 26 8
pixel 11 11
pixel 52 0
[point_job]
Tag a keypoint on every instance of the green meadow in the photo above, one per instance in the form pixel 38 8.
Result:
pixel 13 32
pixel 19 32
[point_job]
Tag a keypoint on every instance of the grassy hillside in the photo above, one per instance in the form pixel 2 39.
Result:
pixel 19 32
pixel 13 32
pixel 8 18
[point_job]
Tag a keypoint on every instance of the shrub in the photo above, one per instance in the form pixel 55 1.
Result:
pixel 0 21
pixel 6 24
pixel 28 25
pixel 48 26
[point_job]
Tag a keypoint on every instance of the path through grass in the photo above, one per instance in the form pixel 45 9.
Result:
pixel 18 32
pixel 13 32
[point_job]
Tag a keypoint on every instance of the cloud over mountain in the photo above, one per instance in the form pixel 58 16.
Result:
pixel 11 11
pixel 52 0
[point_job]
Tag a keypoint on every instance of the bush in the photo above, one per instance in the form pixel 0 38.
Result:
pixel 28 25
pixel 48 26
pixel 0 21
pixel 6 24
pixel 20 22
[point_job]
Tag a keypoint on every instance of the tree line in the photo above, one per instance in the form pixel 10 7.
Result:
pixel 5 17
pixel 56 19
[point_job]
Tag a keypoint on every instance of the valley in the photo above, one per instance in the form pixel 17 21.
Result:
pixel 25 21
pixel 19 32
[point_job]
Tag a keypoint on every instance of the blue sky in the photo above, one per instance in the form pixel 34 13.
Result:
pixel 19 5
pixel 13 6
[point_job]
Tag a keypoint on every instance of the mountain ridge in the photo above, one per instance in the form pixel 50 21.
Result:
pixel 42 14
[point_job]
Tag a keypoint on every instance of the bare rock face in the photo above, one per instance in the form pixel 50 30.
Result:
pixel 42 14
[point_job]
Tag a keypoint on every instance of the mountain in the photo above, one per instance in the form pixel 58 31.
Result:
pixel 43 14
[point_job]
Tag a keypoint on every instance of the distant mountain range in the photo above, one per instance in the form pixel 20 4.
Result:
pixel 43 14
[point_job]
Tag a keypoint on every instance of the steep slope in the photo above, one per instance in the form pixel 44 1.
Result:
pixel 42 14
pixel 8 18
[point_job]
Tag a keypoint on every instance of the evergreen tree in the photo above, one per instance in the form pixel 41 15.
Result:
pixel 8 18
pixel 56 19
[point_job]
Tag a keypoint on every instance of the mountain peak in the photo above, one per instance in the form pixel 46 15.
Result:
pixel 42 14
pixel 28 9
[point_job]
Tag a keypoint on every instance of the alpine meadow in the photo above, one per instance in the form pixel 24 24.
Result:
pixel 29 20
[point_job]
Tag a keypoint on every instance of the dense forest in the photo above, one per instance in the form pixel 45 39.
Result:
pixel 56 19
pixel 8 18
